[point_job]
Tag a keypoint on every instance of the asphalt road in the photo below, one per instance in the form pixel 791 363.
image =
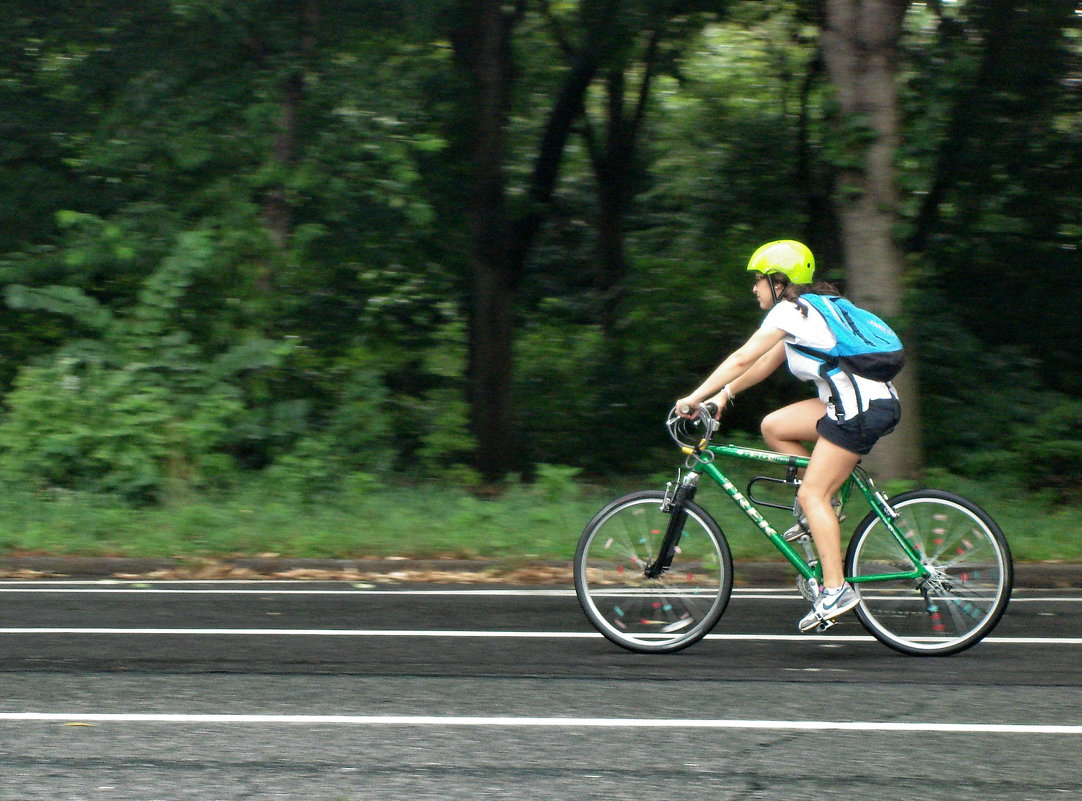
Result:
pixel 334 691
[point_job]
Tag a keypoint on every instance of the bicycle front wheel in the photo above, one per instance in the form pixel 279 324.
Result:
pixel 969 582
pixel 652 615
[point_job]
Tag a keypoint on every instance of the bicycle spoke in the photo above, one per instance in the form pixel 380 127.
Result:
pixel 968 581
pixel 664 613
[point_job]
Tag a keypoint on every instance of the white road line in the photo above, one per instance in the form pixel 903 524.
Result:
pixel 141 588
pixel 148 588
pixel 305 632
pixel 457 634
pixel 562 722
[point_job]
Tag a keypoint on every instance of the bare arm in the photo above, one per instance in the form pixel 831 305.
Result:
pixel 764 366
pixel 746 366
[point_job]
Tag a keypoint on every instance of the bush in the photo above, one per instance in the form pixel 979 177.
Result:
pixel 985 414
pixel 1050 450
pixel 139 411
pixel 115 430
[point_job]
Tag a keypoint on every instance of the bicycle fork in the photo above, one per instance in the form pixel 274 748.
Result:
pixel 674 506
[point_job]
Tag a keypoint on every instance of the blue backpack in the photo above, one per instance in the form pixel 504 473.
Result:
pixel 866 346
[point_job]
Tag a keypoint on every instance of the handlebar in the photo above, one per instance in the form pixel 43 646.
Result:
pixel 693 433
pixel 711 409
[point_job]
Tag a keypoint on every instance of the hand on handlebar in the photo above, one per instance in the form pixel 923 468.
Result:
pixel 691 410
pixel 692 425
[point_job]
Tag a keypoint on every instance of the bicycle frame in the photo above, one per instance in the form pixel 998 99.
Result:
pixel 859 478
pixel 654 570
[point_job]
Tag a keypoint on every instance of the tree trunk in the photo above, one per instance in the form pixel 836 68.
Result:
pixel 614 168
pixel 482 43
pixel 501 241
pixel 277 208
pixel 860 47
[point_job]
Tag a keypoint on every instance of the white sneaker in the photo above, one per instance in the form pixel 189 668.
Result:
pixel 828 605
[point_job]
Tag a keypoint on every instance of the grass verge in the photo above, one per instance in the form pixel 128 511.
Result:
pixel 528 522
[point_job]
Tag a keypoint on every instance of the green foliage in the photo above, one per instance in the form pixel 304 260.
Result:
pixel 988 415
pixel 557 482
pixel 562 409
pixel 973 396
pixel 1050 450
pixel 847 145
pixel 120 431
pixel 236 247
pixel 992 174
pixel 354 440
pixel 137 411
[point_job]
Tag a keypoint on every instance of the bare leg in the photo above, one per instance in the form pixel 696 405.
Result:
pixel 787 429
pixel 830 465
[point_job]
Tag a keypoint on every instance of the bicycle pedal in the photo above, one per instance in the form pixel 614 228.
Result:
pixel 824 625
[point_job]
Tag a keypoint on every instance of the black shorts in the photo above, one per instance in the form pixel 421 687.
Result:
pixel 858 434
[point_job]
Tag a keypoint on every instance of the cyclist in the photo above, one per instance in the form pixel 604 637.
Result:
pixel 843 422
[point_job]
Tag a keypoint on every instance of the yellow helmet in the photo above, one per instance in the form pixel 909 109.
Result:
pixel 786 256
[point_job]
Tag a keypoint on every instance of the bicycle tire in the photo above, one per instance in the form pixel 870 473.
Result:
pixel 967 591
pixel 660 615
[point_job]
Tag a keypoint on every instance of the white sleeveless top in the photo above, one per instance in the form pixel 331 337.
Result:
pixel 812 330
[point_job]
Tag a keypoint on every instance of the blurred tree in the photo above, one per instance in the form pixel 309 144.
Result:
pixel 598 39
pixel 359 201
pixel 503 235
pixel 644 40
pixel 860 48
pixel 482 40
pixel 998 193
pixel 257 125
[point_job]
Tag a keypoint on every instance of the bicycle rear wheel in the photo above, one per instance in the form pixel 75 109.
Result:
pixel 663 614
pixel 966 592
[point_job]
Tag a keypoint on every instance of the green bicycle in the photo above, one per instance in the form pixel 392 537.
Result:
pixel 653 570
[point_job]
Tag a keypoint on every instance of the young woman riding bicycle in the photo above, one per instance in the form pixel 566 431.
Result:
pixel 847 418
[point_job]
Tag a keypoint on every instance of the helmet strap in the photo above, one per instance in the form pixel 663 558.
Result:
pixel 774 295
